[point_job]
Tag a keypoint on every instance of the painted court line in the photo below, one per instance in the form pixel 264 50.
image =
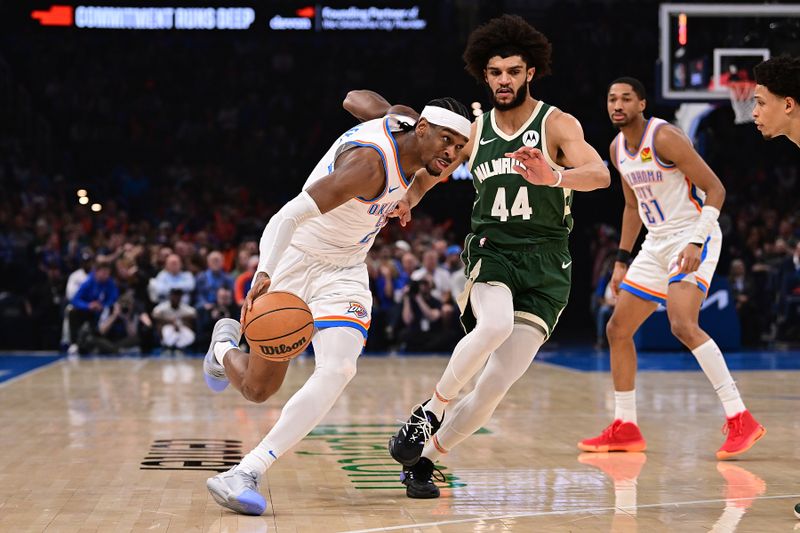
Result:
pixel 568 512
pixel 31 372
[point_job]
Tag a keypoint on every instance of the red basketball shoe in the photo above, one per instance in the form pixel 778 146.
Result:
pixel 618 437
pixel 743 431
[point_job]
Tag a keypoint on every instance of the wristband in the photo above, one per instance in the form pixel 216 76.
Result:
pixel 704 225
pixel 623 256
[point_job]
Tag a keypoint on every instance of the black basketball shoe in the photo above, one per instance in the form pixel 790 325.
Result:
pixel 406 446
pixel 418 479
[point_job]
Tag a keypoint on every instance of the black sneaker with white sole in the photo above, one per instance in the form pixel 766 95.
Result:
pixel 418 479
pixel 406 447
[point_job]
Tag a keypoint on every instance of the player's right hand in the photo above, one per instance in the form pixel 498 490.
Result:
pixel 620 269
pixel 402 212
pixel 259 286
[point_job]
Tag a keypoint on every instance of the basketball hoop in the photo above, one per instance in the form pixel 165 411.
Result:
pixel 742 100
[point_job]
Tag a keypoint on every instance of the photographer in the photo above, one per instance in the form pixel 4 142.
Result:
pixel 423 317
pixel 124 329
pixel 175 322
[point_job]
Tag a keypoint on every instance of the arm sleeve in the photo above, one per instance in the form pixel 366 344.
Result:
pixel 278 233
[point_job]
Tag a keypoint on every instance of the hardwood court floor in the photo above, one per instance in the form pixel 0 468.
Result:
pixel 116 444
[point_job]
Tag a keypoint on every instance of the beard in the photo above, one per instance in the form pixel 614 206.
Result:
pixel 518 100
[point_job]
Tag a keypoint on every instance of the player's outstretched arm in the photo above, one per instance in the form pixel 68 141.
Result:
pixel 587 171
pixel 367 105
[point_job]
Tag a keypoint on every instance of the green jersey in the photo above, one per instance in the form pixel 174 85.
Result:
pixel 508 210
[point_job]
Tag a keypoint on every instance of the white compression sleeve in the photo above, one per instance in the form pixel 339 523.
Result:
pixel 705 224
pixel 278 233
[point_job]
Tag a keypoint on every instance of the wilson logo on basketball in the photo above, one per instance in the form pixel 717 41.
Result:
pixel 281 349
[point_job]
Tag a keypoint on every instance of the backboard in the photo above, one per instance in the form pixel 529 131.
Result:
pixel 704 46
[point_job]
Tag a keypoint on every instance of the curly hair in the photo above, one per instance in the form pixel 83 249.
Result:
pixel 506 36
pixel 781 75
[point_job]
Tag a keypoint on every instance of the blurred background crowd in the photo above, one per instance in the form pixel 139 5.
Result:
pixel 189 143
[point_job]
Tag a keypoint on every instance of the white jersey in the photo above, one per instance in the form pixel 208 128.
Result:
pixel 344 235
pixel 668 200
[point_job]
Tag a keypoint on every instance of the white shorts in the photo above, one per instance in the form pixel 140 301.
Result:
pixel 337 296
pixel 655 266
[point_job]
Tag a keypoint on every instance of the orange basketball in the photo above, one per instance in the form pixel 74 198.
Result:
pixel 279 326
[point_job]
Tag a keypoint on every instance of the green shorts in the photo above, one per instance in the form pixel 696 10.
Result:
pixel 538 276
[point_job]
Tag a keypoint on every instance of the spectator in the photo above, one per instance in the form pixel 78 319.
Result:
pixel 79 275
pixel 242 284
pixel 438 275
pixel 223 307
pixel 210 280
pixel 172 277
pixel 454 265
pixel 95 294
pixel 125 328
pixel 789 298
pixel 423 315
pixel 743 294
pixel 75 280
pixel 175 322
pixel 408 264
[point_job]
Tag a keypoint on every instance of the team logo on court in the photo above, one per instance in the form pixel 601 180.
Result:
pixel 357 309
pixel 530 138
pixel 647 155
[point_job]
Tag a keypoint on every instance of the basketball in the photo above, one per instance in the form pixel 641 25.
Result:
pixel 279 326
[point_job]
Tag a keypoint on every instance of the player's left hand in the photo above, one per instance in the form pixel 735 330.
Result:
pixel 535 168
pixel 689 259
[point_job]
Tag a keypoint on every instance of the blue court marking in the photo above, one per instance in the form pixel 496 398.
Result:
pixel 588 360
pixel 13 366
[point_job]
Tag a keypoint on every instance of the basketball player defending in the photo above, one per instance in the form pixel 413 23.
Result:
pixel 674 266
pixel 777 94
pixel 517 257
pixel 315 247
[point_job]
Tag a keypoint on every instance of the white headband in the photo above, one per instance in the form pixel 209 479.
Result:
pixel 446 118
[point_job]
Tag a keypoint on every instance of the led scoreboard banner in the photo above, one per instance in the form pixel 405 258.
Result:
pixel 309 17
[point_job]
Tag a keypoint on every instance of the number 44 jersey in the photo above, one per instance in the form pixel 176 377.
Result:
pixel 508 210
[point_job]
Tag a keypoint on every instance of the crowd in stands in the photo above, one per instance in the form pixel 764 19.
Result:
pixel 190 142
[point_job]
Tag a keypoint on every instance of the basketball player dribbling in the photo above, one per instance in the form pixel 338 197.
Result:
pixel 674 266
pixel 777 95
pixel 315 247
pixel 517 257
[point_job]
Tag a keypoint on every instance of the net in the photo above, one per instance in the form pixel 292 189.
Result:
pixel 743 100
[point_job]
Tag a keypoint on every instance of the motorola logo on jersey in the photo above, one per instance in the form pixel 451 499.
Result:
pixel 530 138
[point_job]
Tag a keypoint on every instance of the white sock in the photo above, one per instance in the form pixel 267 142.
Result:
pixel 221 348
pixel 437 405
pixel 713 364
pixel 256 461
pixel 336 351
pixel 625 406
